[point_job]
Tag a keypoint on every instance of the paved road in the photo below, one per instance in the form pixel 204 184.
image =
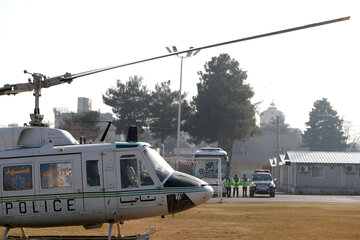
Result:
pixel 292 198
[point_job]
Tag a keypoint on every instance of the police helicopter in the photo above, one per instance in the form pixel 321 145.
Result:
pixel 48 179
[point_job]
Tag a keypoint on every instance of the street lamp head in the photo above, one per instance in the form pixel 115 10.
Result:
pixel 167 48
pixel 196 52
pixel 189 53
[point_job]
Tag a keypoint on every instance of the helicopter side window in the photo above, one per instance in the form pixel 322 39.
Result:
pixel 129 171
pixel 55 175
pixel 92 173
pixel 17 178
pixel 145 178
pixel 161 167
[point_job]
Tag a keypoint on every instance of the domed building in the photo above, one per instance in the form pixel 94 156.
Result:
pixel 256 151
pixel 269 115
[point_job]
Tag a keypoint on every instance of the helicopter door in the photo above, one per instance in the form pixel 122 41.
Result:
pixel 137 183
pixel 109 177
pixel 60 186
pixel 93 182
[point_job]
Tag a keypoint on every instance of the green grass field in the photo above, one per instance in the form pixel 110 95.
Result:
pixel 239 221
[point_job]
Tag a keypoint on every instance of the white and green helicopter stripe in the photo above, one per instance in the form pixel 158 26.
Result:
pixel 165 191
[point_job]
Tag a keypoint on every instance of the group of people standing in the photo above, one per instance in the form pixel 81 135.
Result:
pixel 236 182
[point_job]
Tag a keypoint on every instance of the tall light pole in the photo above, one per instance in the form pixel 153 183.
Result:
pixel 188 54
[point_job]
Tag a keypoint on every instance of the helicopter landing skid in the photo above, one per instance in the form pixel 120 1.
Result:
pixel 141 236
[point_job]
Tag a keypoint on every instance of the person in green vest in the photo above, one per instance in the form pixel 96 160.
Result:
pixel 244 183
pixel 236 183
pixel 227 185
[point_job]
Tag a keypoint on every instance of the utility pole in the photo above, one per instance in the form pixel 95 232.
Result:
pixel 277 136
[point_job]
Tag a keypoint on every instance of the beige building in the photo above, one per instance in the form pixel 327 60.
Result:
pixel 270 114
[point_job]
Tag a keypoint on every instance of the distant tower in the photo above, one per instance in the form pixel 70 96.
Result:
pixel 84 104
pixel 269 115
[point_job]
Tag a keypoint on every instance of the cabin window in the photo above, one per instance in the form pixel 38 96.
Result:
pixel 145 178
pixel 55 175
pixel 129 171
pixel 92 173
pixel 17 178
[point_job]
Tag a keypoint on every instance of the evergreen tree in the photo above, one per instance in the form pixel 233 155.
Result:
pixel 129 103
pixel 222 110
pixel 324 130
pixel 163 110
pixel 84 124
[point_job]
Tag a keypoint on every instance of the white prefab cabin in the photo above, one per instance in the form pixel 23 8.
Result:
pixel 307 172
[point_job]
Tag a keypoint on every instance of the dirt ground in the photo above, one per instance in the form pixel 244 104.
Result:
pixel 239 221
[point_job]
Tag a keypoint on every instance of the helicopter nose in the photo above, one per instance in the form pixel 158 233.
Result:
pixel 189 192
pixel 203 196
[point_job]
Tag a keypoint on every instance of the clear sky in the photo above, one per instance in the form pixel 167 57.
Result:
pixel 293 70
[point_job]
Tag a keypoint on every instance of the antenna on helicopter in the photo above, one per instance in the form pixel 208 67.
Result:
pixel 40 81
pixel 102 139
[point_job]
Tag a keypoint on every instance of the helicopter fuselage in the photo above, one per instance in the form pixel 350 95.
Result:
pixel 88 184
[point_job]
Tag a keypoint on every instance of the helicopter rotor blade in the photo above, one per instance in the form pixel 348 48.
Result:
pixel 68 77
pixel 40 81
pixel 5 89
pixel 196 49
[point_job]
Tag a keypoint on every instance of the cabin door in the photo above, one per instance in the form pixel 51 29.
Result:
pixel 140 195
pixel 59 184
pixel 93 182
pixel 110 189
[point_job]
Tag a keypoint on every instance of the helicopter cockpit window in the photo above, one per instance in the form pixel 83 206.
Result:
pixel 55 175
pixel 92 173
pixel 145 178
pixel 161 167
pixel 129 171
pixel 17 178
